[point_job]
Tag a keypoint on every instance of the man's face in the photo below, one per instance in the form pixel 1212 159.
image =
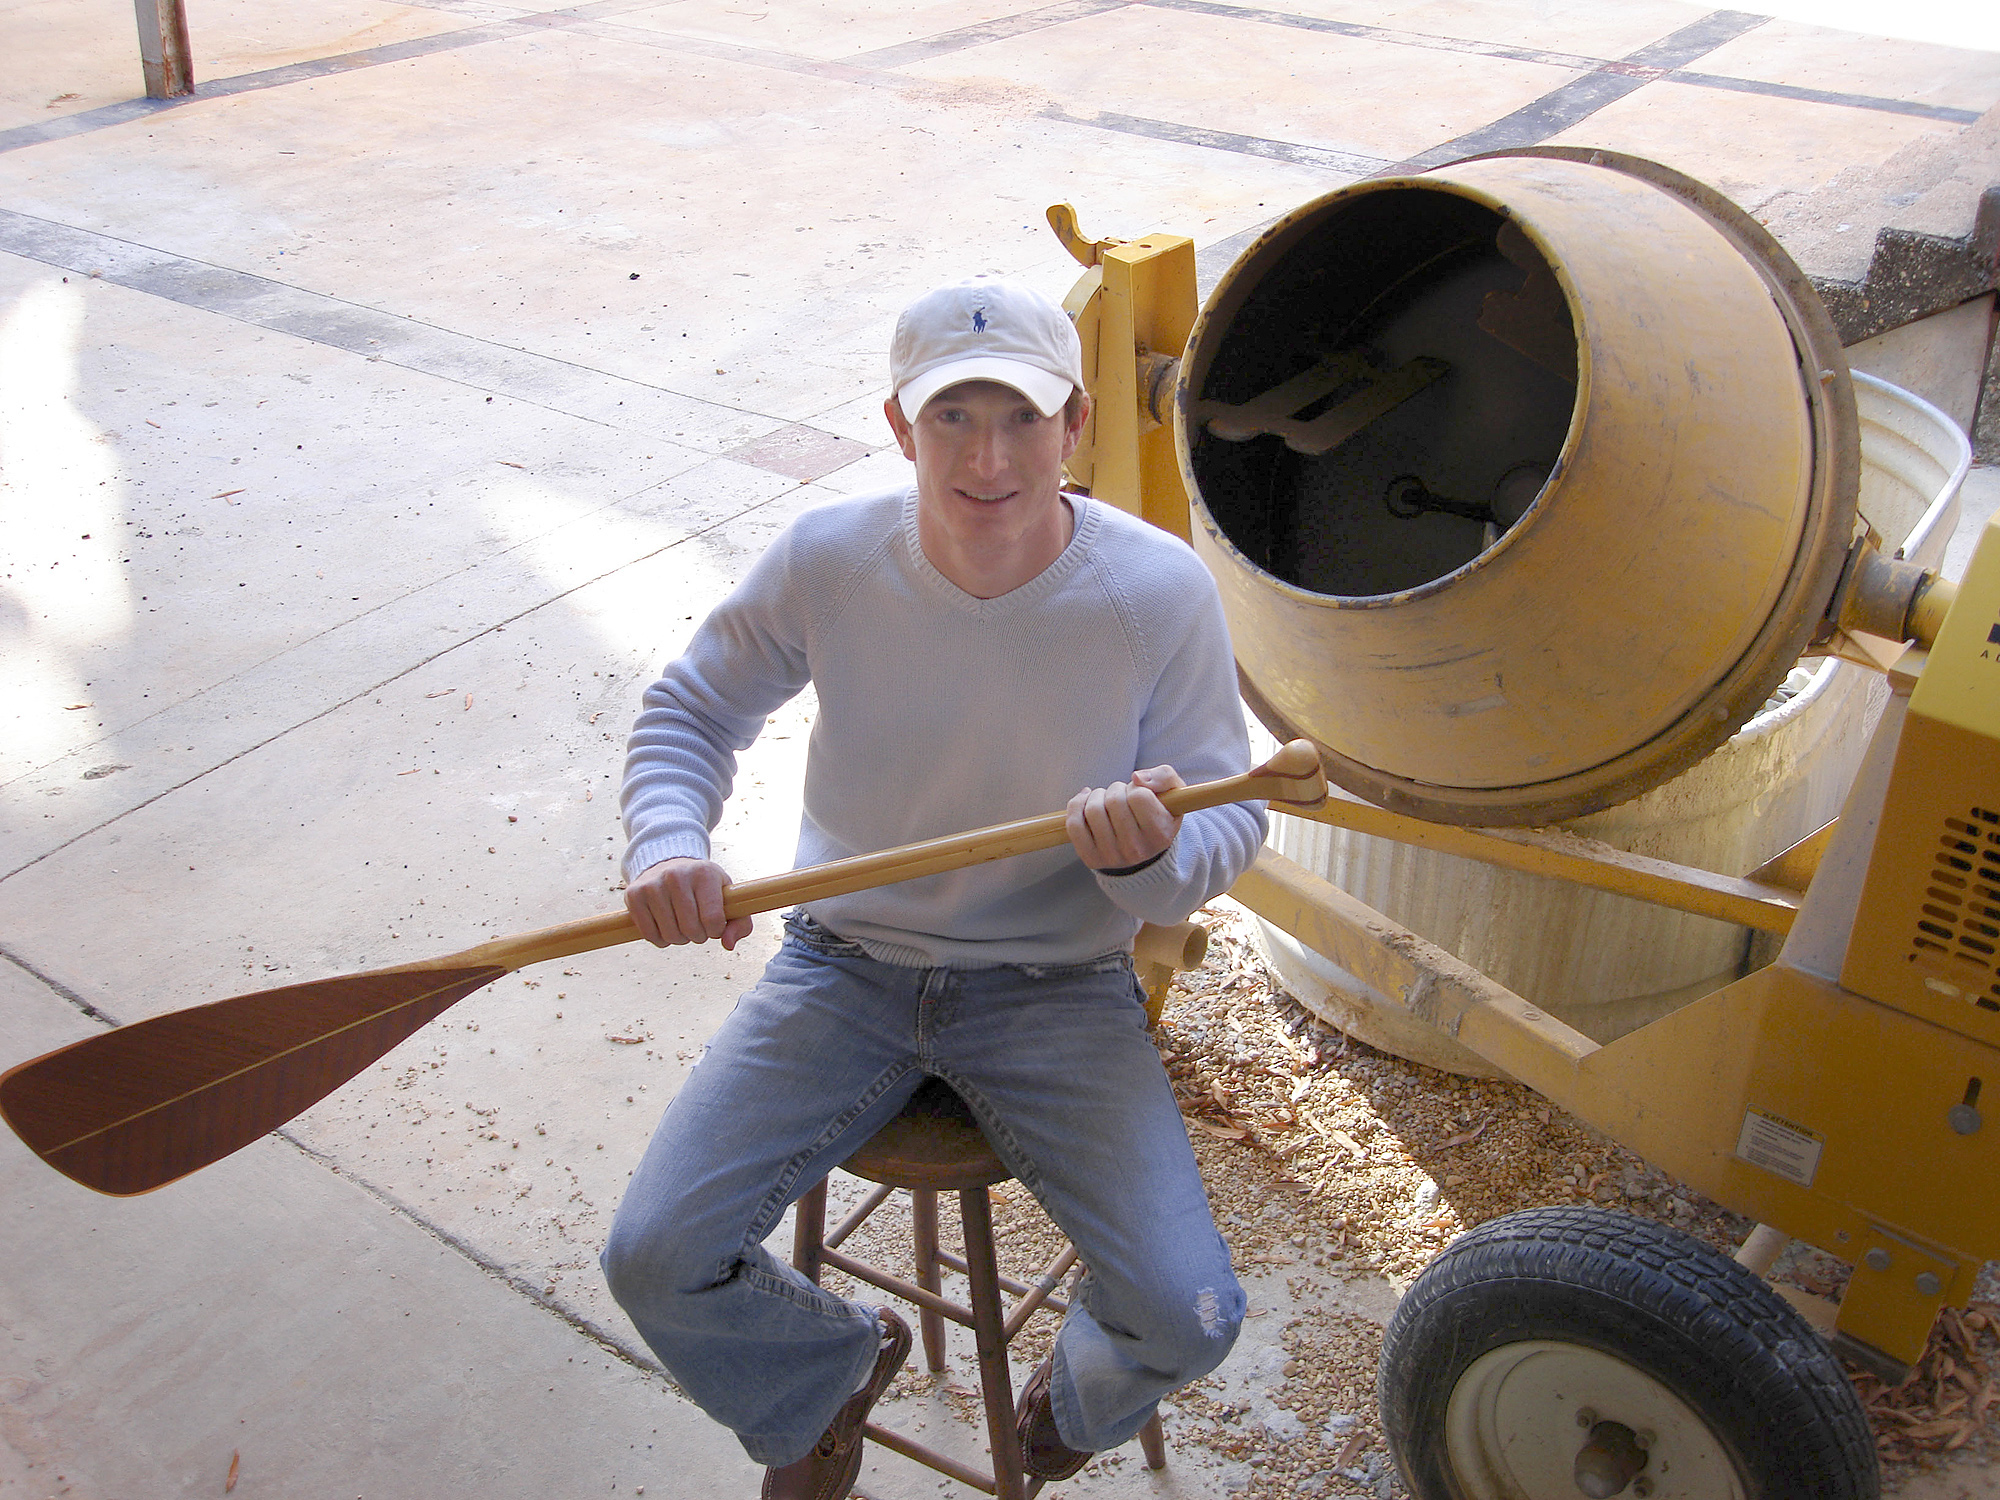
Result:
pixel 989 466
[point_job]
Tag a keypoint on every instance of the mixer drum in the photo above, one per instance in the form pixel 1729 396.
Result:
pixel 1525 480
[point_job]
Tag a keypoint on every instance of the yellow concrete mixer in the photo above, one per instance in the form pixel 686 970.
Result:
pixel 1526 481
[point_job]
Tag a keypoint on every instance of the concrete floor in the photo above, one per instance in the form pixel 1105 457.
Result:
pixel 532 328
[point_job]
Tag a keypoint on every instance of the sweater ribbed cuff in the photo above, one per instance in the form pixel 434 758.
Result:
pixel 642 856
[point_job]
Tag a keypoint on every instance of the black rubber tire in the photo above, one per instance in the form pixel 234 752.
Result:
pixel 1688 1317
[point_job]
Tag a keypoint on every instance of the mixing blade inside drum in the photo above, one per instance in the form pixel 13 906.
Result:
pixel 1391 398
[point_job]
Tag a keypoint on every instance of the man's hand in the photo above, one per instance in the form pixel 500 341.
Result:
pixel 1126 824
pixel 680 901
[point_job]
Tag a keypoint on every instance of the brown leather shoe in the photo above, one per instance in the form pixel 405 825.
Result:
pixel 1043 1452
pixel 829 1471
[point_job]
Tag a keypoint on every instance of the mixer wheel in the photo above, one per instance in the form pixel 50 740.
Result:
pixel 1566 1352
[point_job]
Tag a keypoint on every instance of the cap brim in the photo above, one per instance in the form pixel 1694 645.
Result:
pixel 1046 391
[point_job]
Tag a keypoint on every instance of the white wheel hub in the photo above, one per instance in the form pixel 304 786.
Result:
pixel 1521 1414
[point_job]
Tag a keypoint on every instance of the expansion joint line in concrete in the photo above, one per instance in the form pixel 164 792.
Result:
pixel 106 116
pixel 525 23
pixel 95 1012
pixel 1339 163
pixel 1571 103
pixel 479 364
pixel 1662 61
pixel 1603 83
pixel 946 42
pixel 1566 105
pixel 357 696
pixel 602 1337
pixel 598 1335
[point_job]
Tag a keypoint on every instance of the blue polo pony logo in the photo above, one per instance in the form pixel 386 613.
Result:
pixel 979 320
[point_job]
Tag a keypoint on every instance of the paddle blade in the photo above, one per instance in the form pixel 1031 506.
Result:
pixel 134 1108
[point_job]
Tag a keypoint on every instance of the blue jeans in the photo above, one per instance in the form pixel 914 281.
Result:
pixel 1056 1064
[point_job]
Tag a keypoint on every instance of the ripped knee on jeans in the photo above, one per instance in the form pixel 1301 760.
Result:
pixel 1208 1313
pixel 1218 1318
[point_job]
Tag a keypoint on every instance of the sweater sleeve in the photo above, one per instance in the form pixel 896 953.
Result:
pixel 1193 722
pixel 747 659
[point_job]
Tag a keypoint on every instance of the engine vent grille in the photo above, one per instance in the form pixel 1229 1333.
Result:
pixel 1958 928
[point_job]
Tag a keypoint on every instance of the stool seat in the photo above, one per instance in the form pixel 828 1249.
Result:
pixel 934 1143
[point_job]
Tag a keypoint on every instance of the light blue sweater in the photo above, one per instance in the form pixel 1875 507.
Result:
pixel 940 712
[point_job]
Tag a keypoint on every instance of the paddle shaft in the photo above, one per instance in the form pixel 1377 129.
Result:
pixel 132 1108
pixel 1292 775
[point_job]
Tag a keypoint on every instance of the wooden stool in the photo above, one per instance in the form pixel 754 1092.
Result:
pixel 933 1146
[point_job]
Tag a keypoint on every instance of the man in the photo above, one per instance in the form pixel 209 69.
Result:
pixel 981 645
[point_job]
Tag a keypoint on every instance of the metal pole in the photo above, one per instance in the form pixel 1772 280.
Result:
pixel 164 49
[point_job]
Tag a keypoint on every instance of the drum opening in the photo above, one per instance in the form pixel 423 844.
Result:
pixel 1391 396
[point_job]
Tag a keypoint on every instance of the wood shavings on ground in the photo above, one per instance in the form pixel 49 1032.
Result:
pixel 1946 1404
pixel 1400 1158
pixel 1344 1170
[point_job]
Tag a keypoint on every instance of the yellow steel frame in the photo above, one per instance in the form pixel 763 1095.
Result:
pixel 1844 1117
pixel 1834 1094
pixel 1133 307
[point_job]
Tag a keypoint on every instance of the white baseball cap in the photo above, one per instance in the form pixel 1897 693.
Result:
pixel 985 329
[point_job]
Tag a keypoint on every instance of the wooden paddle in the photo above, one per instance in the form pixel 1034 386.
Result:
pixel 136 1107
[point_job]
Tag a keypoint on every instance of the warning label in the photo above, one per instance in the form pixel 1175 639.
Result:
pixel 1779 1146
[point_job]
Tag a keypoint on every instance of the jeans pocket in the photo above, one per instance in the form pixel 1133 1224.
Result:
pixel 804 931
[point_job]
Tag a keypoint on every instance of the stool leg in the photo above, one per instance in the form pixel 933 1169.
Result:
pixel 996 1381
pixel 809 1231
pixel 1154 1442
pixel 924 1230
